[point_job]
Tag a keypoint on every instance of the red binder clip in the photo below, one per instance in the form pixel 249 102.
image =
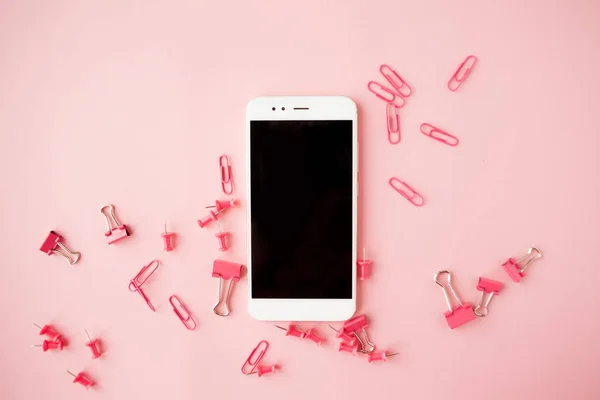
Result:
pixel 116 230
pixel 358 324
pixel 462 313
pixel 392 115
pixel 226 176
pixel 82 379
pixel 225 271
pixel 186 318
pixel 407 192
pixel 385 94
pixel 49 332
pixel 438 134
pixel 462 73
pixel 487 287
pixel 251 362
pixel 93 346
pixel 135 285
pixel 402 88
pixel 169 238
pixel 50 247
pixel 513 267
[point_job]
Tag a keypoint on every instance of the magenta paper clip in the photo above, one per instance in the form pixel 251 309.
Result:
pixel 462 73
pixel 135 285
pixel 438 134
pixel 226 176
pixel 462 313
pixel 490 288
pixel 356 325
pixel 513 267
pixel 184 315
pixel 225 271
pixel 406 191
pixel 385 94
pixel 402 88
pixel 116 230
pixel 392 115
pixel 50 247
pixel 252 361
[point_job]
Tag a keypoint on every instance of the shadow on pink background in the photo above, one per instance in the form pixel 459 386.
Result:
pixel 129 103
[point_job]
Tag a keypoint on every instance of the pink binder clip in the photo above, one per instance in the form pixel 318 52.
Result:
pixel 50 247
pixel 487 287
pixel 402 88
pixel 344 336
pixel 379 356
pixel 385 94
pixel 359 324
pixel 169 239
pixel 462 73
pixel 513 267
pixel 293 330
pixel 50 345
pixel 116 230
pixel 93 346
pixel 253 361
pixel 438 134
pixel 364 267
pixel 212 216
pixel 407 192
pixel 49 332
pixel 225 271
pixel 186 317
pixel 226 176
pixel 223 204
pixel 82 379
pixel 392 115
pixel 462 313
pixel 348 348
pixel 135 285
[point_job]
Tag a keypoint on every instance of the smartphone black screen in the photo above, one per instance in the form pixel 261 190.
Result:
pixel 301 209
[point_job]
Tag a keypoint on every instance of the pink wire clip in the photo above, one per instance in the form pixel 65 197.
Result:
pixel 487 287
pixel 406 191
pixel 50 345
pixel 444 137
pixel 364 267
pixel 359 324
pixel 348 348
pixel 344 336
pixel 82 379
pixel 116 230
pixel 225 271
pixel 293 330
pixel 379 356
pixel 392 115
pixel 513 267
pixel 462 313
pixel 49 332
pixel 188 320
pixel 262 346
pixel 385 94
pixel 169 239
pixel 52 242
pixel 226 176
pixel 93 346
pixel 462 73
pixel 402 88
pixel 135 285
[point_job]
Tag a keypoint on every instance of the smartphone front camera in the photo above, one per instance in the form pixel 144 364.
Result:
pixel 282 108
pixel 273 108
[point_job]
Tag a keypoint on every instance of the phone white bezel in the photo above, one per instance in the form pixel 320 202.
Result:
pixel 303 108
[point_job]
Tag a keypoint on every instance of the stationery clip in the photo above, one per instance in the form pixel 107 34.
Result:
pixel 180 306
pixel 395 80
pixel 117 232
pixel 385 94
pixel 430 130
pixel 226 177
pixel 393 123
pixel 513 267
pixel 263 345
pixel 462 313
pixel 135 285
pixel 406 191
pixel 358 324
pixel 457 79
pixel 50 247
pixel 489 287
pixel 225 271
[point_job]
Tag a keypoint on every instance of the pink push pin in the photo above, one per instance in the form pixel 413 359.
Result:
pixel 223 204
pixel 265 369
pixel 48 345
pixel 222 237
pixel 344 336
pixel 462 313
pixel 379 356
pixel 364 267
pixel 212 216
pixel 311 335
pixel 348 348
pixel 82 379
pixel 513 267
pixel 93 345
pixel 49 332
pixel 487 287
pixel 169 238
pixel 53 243
pixel 293 330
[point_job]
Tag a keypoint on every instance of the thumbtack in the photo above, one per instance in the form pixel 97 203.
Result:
pixel 116 230
pixel 293 330
pixel 311 335
pixel 356 325
pixel 82 379
pixel 222 236
pixel 48 345
pixel 212 216
pixel 265 369
pixel 379 356
pixel 49 332
pixel 364 267
pixel 50 247
pixel 169 239
pixel 348 348
pixel 93 345
pixel 223 204
pixel 344 336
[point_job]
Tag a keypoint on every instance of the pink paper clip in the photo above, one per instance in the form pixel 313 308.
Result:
pixel 344 336
pixel 462 73
pixel 379 356
pixel 444 137
pixel 385 94
pixel 402 88
pixel 223 204
pixel 116 230
pixel 225 271
pixel 462 313
pixel 392 115
pixel 513 267
pixel 293 330
pixel 82 379
pixel 348 348
pixel 93 345
pixel 359 324
pixel 169 239
pixel 49 332
pixel 50 345
pixel 50 247
pixel 188 320
pixel 364 267
pixel 490 288
pixel 406 191
pixel 262 346
pixel 226 176
pixel 135 285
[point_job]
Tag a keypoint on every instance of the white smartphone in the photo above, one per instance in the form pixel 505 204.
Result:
pixel 302 172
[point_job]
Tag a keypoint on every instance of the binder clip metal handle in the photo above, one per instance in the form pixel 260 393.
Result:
pixel 489 288
pixel 224 300
pixel 356 325
pixel 532 255
pixel 50 247
pixel 449 283
pixel 461 313
pixel 225 271
pixel 116 231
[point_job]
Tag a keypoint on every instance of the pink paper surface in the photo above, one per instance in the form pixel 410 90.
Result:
pixel 132 102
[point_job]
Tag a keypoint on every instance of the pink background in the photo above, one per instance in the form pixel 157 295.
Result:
pixel 131 103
